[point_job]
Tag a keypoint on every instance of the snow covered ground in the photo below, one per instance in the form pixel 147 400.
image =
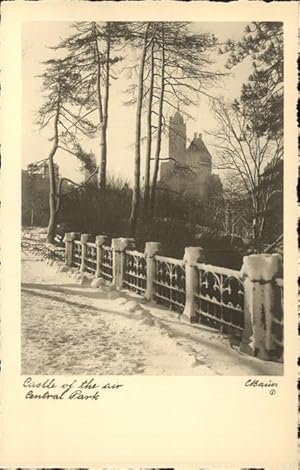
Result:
pixel 69 327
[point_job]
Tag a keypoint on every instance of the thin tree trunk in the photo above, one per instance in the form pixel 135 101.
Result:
pixel 159 127
pixel 52 183
pixel 52 203
pixel 255 223
pixel 102 144
pixel 103 163
pixel 137 159
pixel 149 137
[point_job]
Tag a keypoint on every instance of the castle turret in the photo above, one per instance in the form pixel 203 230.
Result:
pixel 190 173
pixel 198 154
pixel 177 138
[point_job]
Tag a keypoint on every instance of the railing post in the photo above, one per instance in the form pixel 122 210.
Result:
pixel 151 249
pixel 192 255
pixel 100 241
pixel 69 238
pixel 119 245
pixel 68 248
pixel 278 319
pixel 258 274
pixel 85 237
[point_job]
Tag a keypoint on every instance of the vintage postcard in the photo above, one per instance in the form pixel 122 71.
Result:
pixel 149 280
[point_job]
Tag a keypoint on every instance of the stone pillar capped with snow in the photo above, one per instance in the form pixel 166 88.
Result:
pixel 69 238
pixel 100 241
pixel 151 249
pixel 119 246
pixel 192 256
pixel 258 273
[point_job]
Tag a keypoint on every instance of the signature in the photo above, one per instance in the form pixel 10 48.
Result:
pixel 256 383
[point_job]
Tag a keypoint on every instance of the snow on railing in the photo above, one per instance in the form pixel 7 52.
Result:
pixel 220 298
pixel 91 257
pixel 76 253
pixel 106 263
pixel 246 303
pixel 277 326
pixel 135 271
pixel 169 282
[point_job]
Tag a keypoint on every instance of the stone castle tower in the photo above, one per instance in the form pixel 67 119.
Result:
pixel 188 170
pixel 177 137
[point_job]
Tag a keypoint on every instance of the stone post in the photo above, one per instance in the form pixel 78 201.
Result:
pixel 100 241
pixel 85 237
pixel 192 255
pixel 151 249
pixel 119 246
pixel 69 238
pixel 258 274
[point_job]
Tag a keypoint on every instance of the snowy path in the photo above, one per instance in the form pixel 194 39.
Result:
pixel 70 329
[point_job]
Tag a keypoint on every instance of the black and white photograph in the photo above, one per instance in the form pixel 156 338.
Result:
pixel 152 198
pixel 149 244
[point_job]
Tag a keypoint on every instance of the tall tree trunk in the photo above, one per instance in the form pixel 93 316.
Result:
pixel 255 223
pixel 137 158
pixel 159 126
pixel 102 144
pixel 103 163
pixel 149 136
pixel 52 183
pixel 52 203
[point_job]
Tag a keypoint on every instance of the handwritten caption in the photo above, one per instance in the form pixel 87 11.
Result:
pixel 270 385
pixel 53 389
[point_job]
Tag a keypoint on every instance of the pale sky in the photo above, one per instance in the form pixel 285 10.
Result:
pixel 38 36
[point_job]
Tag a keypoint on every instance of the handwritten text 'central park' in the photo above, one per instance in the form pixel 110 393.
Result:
pixel 51 389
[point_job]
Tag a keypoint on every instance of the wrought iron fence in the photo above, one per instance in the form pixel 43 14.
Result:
pixel 106 264
pixel 169 283
pixel 220 298
pixel 76 253
pixel 91 257
pixel 277 325
pixel 135 272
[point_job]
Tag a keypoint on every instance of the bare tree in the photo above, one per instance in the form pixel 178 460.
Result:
pixel 247 155
pixel 159 119
pixel 149 131
pixel 184 74
pixel 90 56
pixel 235 212
pixel 58 112
pixel 137 159
pixel 176 70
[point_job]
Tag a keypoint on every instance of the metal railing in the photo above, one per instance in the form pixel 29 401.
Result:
pixel 91 257
pixel 76 253
pixel 135 272
pixel 106 264
pixel 169 283
pixel 212 295
pixel 277 326
pixel 220 298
